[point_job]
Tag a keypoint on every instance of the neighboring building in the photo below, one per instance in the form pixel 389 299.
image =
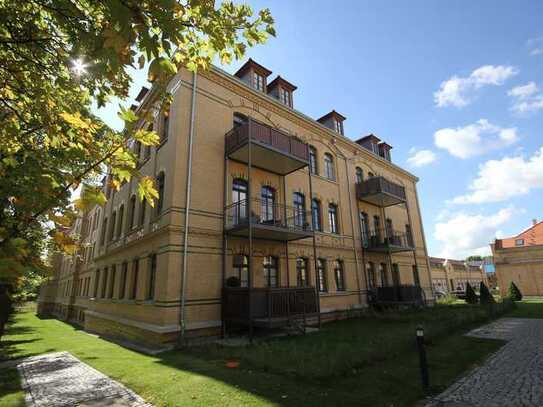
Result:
pixel 450 275
pixel 300 218
pixel 520 259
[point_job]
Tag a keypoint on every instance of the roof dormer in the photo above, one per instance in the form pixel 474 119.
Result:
pixel 281 89
pixel 254 74
pixel 334 121
pixel 370 142
pixel 384 150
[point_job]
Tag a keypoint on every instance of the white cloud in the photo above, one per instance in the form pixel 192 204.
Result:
pixel 535 45
pixel 462 234
pixel 458 91
pixel 526 98
pixel 421 158
pixel 499 180
pixel 474 139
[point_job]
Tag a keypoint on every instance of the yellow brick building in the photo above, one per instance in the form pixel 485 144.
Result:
pixel 288 220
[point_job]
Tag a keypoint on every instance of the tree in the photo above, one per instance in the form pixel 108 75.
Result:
pixel 485 297
pixel 57 57
pixel 514 292
pixel 474 258
pixel 471 297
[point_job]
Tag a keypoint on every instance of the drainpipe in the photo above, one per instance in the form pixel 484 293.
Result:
pixel 187 210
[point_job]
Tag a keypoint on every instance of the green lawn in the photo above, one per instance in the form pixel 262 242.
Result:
pixel 365 361
pixel 528 308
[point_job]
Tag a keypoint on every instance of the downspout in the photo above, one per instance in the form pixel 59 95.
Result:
pixel 187 210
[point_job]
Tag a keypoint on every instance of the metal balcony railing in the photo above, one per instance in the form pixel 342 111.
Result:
pixel 387 239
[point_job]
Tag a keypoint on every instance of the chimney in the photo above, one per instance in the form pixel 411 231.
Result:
pixel 534 222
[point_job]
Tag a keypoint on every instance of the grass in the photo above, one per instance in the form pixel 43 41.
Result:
pixel 365 361
pixel 528 308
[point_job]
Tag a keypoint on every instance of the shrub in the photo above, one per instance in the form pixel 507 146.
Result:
pixel 471 297
pixel 449 299
pixel 484 295
pixel 514 292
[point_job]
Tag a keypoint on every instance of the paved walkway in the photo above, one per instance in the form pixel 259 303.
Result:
pixel 60 379
pixel 513 376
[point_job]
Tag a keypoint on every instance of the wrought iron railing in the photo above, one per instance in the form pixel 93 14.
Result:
pixel 378 185
pixel 267 213
pixel 384 238
pixel 264 134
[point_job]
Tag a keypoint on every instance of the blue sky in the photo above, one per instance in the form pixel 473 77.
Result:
pixel 456 87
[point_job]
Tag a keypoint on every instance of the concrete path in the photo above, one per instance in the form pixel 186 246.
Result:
pixel 60 379
pixel 513 376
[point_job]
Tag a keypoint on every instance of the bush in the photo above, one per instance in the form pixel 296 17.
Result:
pixel 514 292
pixel 471 297
pixel 449 299
pixel 484 295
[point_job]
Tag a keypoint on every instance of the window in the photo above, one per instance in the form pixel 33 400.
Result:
pixel 332 218
pixel 165 127
pixel 105 279
pixel 364 228
pixel 135 272
pixel 122 284
pixel 329 167
pixel 96 283
pixel 143 206
pixel 119 231
pixel 137 149
pixel 359 175
pixel 111 285
pixel 338 275
pixel 389 228
pixel 313 163
pixel 131 213
pixel 160 187
pixel 377 226
pixel 409 236
pixel 267 204
pixel 395 275
pixel 152 277
pixel 301 272
pixel 270 271
pixel 338 126
pixel 112 226
pixel 519 242
pixel 416 278
pixel 258 81
pixel 104 230
pixel 384 274
pixel 147 152
pixel 372 280
pixel 239 200
pixel 321 275
pixel 316 214
pixel 284 96
pixel 299 210
pixel 242 269
pixel 96 218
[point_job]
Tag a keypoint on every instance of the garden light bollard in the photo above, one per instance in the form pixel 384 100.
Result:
pixel 422 358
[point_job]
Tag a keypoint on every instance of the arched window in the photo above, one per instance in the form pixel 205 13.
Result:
pixel 329 166
pixel 241 266
pixel 104 232
pixel 302 277
pixel 152 277
pixel 131 213
pixel 396 275
pixel 112 224
pixel 122 285
pixel 316 214
pixel 313 162
pixel 160 180
pixel 239 200
pixel 105 278
pixel 96 219
pixel 271 275
pixel 339 276
pixel 364 228
pixel 384 274
pixel 267 204
pixel 111 284
pixel 333 218
pixel 299 209
pixel 321 275
pixel 359 175
pixel 119 231
pixel 143 207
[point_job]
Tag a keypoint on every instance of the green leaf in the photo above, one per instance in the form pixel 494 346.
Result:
pixel 147 191
pixel 146 137
pixel 127 115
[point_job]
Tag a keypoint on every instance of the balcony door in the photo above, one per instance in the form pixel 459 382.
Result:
pixel 364 228
pixel 299 210
pixel 267 205
pixel 239 200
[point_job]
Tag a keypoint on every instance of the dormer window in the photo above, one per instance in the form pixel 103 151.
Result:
pixel 338 126
pixel 258 82
pixel 282 90
pixel 334 121
pixel 284 96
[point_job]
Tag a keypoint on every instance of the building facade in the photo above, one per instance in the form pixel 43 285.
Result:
pixel 452 275
pixel 519 259
pixel 262 212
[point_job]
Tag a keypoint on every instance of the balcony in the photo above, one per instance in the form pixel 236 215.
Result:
pixel 397 295
pixel 270 221
pixel 385 241
pixel 272 150
pixel 270 307
pixel 380 192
